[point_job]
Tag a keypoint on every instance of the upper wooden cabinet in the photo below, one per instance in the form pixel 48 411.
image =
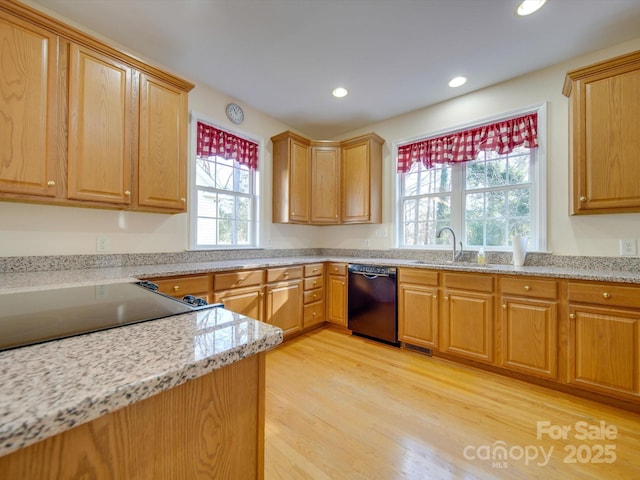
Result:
pixel 28 109
pixel 84 124
pixel 362 179
pixel 291 178
pixel 162 147
pixel 604 123
pixel 323 183
pixel 100 127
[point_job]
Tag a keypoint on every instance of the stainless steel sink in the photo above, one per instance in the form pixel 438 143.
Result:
pixel 451 264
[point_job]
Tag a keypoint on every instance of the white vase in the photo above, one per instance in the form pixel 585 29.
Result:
pixel 519 250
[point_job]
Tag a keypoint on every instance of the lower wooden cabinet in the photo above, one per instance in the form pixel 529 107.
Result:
pixel 418 307
pixel 528 326
pixel 468 316
pixel 603 351
pixel 337 293
pixel 178 287
pixel 247 301
pixel 284 306
pixel 313 314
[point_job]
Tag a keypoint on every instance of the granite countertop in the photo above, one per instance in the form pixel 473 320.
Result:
pixel 51 387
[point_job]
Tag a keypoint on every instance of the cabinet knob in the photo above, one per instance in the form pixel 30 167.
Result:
pixel 583 198
pixel 342 283
pixel 435 297
pixel 51 183
pixel 572 316
pixel 262 294
pixel 504 305
pixel 606 295
pixel 127 193
pixel 314 314
pixel 446 298
pixel 183 200
pixel 315 283
pixel 176 288
pixel 527 288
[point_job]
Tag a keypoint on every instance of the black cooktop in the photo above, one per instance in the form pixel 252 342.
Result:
pixel 38 316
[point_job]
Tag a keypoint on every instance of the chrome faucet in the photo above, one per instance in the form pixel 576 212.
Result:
pixel 458 255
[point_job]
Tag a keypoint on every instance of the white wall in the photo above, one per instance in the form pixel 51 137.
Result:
pixel 591 235
pixel 28 229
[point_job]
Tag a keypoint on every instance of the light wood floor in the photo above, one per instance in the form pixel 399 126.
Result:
pixel 341 407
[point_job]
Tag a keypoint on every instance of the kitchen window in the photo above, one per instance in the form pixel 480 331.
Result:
pixel 486 199
pixel 224 202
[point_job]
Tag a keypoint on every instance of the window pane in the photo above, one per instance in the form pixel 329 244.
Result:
pixel 475 173
pixel 410 210
pixel 205 173
pixel 496 173
pixel 410 233
pixel 496 204
pixel 224 177
pixel 474 205
pixel 496 233
pixel 519 202
pixel 225 232
pixel 207 204
pixel 244 206
pixel 206 231
pixel 475 233
pixel 243 233
pixel 243 180
pixel 411 184
pixel 519 169
pixel 225 206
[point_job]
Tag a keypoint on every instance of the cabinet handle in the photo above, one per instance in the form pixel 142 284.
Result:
pixel 51 183
pixel 527 288
pixel 583 199
pixel 606 295
pixel 446 298
pixel 183 200
pixel 261 294
pixel 315 283
pixel 435 297
pixel 572 316
pixel 314 314
pixel 176 288
pixel 342 283
pixel 504 305
pixel 127 193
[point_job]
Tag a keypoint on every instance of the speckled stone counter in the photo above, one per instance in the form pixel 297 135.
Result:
pixel 51 387
pixel 54 386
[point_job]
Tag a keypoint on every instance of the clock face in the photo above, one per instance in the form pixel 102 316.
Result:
pixel 235 113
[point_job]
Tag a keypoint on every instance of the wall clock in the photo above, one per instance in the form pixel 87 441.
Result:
pixel 235 113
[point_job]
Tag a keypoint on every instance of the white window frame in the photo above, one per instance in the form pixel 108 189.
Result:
pixel 256 231
pixel 538 203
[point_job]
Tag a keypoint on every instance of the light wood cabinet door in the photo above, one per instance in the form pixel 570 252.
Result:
pixel 467 325
pixel 284 306
pixel 605 101
pixel 162 147
pixel 100 126
pixel 361 180
pixel 604 350
pixel 325 184
pixel 291 178
pixel 28 109
pixel 247 301
pixel 337 299
pixel 529 336
pixel 418 315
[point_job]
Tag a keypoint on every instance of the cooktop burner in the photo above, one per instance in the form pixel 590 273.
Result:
pixel 33 317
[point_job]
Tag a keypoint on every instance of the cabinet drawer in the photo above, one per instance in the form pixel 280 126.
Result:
pixel 418 275
pixel 283 274
pixel 313 270
pixel 181 286
pixel 313 314
pixel 479 283
pixel 337 269
pixel 313 282
pixel 313 295
pixel 604 294
pixel 225 281
pixel 529 287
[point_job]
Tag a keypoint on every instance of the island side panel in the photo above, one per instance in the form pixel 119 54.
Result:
pixel 209 427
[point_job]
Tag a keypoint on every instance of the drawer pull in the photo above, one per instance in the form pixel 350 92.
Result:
pixel 286 274
pixel 435 297
pixel 51 183
pixel 446 298
pixel 583 199
pixel 606 295
pixel 504 305
pixel 176 288
pixel 315 283
pixel 572 316
pixel 127 193
pixel 527 288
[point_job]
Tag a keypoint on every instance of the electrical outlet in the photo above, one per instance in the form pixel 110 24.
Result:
pixel 628 247
pixel 102 244
pixel 367 242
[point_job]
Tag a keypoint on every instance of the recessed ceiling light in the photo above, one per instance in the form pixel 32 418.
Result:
pixel 527 7
pixel 457 82
pixel 340 92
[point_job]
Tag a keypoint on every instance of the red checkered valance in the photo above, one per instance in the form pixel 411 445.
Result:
pixel 502 137
pixel 213 141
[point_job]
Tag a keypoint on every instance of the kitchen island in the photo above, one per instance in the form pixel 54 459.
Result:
pixel 178 397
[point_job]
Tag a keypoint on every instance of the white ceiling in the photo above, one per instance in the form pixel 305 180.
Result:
pixel 284 57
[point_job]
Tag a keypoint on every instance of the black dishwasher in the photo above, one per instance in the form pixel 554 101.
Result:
pixel 372 307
